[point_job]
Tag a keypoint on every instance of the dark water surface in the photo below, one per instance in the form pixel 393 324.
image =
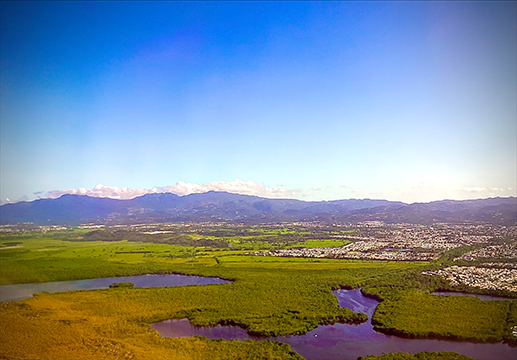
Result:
pixel 340 341
pixel 24 291
pixel 479 296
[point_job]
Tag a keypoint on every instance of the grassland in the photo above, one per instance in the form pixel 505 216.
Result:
pixel 270 296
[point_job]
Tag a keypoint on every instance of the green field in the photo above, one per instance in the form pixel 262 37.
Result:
pixel 270 296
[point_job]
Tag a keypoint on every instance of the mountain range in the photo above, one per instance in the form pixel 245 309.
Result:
pixel 223 206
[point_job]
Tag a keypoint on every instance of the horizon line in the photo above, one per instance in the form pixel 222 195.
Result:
pixel 251 195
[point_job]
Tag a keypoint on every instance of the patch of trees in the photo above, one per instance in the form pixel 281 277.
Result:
pixel 416 314
pixel 124 285
pixel 427 355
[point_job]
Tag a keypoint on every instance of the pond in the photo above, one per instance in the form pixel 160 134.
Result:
pixel 24 291
pixel 341 341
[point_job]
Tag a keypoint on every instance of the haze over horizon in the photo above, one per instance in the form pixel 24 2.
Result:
pixel 406 101
pixel 236 187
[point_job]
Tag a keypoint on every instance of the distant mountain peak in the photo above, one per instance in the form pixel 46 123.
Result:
pixel 226 206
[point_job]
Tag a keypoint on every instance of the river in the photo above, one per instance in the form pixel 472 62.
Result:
pixel 341 341
pixel 338 341
pixel 479 296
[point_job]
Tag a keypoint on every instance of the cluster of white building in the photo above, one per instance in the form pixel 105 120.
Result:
pixel 506 251
pixel 29 227
pixel 401 242
pixel 443 237
pixel 484 278
pixel 500 265
pixel 352 251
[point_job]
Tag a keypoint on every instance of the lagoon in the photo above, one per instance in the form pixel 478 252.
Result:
pixel 25 291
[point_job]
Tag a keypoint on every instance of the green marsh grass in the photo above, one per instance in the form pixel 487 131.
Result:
pixel 270 296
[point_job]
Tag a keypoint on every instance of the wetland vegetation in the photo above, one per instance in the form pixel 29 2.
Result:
pixel 270 296
pixel 418 356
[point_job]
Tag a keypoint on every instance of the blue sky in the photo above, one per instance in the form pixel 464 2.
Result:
pixel 411 101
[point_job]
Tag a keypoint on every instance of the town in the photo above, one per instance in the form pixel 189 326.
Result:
pixel 407 242
pixel 484 278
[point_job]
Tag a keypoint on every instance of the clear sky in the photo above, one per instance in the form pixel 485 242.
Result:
pixel 410 101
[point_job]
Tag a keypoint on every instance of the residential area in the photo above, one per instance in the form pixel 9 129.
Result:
pixel 406 242
pixel 506 251
pixel 484 278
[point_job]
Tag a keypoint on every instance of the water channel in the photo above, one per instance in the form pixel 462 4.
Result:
pixel 25 291
pixel 341 341
pixel 338 341
pixel 479 296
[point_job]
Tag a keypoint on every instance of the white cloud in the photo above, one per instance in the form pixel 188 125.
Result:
pixel 9 201
pixel 361 194
pixel 113 192
pixel 474 189
pixel 237 186
pixel 480 192
pixel 180 188
pixel 417 192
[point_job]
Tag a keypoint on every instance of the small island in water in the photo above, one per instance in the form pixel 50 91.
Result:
pixel 127 285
